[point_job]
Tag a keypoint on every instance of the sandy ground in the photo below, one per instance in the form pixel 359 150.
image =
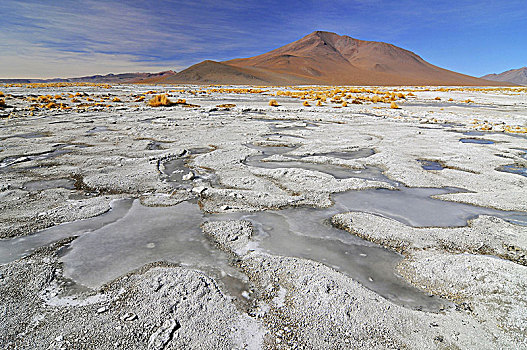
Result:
pixel 62 166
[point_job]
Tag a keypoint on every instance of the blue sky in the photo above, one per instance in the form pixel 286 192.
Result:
pixel 73 38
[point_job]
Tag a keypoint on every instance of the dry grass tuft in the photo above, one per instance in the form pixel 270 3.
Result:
pixel 116 99
pixel 319 103
pixel 437 98
pixel 306 104
pixel 2 103
pixel 344 104
pixel 394 105
pixel 226 105
pixel 273 103
pixel 1 94
pixel 159 100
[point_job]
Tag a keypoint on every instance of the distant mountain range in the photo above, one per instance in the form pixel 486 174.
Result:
pixel 109 78
pixel 514 76
pixel 320 58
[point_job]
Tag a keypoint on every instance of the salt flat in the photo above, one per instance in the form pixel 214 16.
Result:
pixel 349 224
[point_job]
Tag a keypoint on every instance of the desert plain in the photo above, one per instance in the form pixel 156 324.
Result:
pixel 331 218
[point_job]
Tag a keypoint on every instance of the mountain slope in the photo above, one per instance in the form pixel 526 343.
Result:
pixel 513 76
pixel 334 59
pixel 212 72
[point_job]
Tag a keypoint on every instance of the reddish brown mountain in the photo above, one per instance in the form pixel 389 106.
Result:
pixel 327 58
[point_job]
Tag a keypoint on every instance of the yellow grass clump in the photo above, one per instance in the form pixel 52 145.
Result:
pixel 450 99
pixel 139 99
pixel 273 103
pixel 437 98
pixel 394 105
pixel 44 98
pixel 319 103
pixel 1 94
pixel 226 105
pixel 159 100
pixel 344 104
pixel 181 101
pixel 376 99
pixel 306 104
pixel 116 99
pixel 2 102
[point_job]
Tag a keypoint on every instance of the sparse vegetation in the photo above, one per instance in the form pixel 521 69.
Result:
pixel 394 105
pixel 273 103
pixel 306 104
pixel 226 105
pixel 159 100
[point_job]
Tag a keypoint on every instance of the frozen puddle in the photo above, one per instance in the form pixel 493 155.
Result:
pixel 128 237
pixel 306 233
pixel 415 207
pixel 175 171
pixel 39 185
pixel 15 248
pixel 430 164
pixel 97 129
pixel 58 150
pixel 337 171
pixel 474 140
pixel 513 169
pixel 29 135
pixel 142 236
pixel 132 235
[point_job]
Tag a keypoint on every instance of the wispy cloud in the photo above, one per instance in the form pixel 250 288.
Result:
pixel 70 38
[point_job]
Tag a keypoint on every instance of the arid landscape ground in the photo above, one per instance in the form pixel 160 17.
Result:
pixel 306 217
